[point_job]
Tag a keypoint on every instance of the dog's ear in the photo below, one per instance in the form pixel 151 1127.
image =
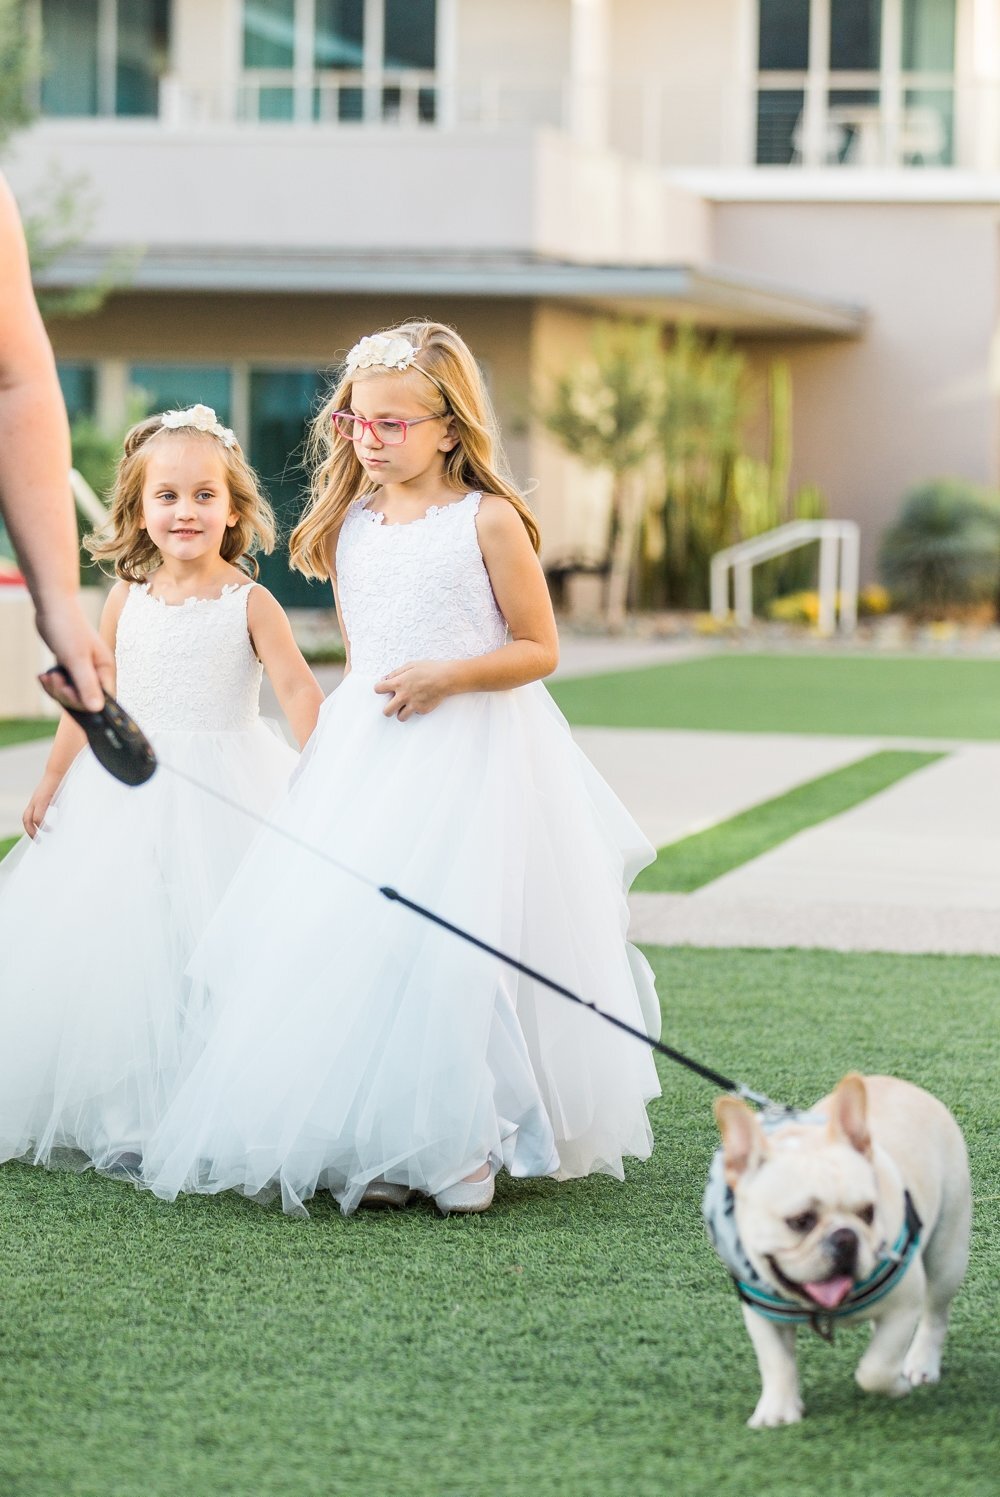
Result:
pixel 849 1114
pixel 743 1141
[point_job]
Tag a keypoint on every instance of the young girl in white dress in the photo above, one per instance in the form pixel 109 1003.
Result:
pixel 102 903
pixel 356 1046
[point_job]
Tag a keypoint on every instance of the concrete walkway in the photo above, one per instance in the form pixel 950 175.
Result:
pixel 916 868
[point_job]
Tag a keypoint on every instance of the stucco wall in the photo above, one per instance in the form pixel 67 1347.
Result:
pixel 916 396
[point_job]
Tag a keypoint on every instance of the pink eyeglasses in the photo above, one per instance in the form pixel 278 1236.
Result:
pixel 389 433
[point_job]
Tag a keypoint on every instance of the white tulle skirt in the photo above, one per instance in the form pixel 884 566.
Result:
pixel 354 1040
pixel 99 916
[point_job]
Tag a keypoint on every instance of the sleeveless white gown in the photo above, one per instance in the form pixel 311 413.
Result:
pixel 353 1039
pixel 100 913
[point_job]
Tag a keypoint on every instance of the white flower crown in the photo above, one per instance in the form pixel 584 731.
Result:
pixel 381 351
pixel 201 418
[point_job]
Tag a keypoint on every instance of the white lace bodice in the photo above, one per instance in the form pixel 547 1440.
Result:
pixel 418 591
pixel 190 665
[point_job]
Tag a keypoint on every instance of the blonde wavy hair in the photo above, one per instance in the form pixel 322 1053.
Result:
pixel 477 462
pixel 126 545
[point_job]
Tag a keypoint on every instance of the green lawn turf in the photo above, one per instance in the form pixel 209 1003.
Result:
pixel 695 861
pixel 795 694
pixel 579 1340
pixel 24 729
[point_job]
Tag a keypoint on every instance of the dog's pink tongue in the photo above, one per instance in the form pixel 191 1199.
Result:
pixel 831 1292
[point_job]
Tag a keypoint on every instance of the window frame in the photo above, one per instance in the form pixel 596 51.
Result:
pixel 373 79
pixel 889 81
pixel 107 62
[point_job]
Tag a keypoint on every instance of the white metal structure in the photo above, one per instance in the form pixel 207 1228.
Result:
pixel 86 500
pixel 838 571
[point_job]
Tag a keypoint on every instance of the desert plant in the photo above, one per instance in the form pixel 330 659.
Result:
pixel 604 412
pixel 944 550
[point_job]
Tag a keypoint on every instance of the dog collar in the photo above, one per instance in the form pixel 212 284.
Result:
pixel 719 1210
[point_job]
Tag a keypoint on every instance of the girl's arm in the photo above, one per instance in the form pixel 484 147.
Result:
pixel 331 552
pixel 523 598
pixel 70 739
pixel 295 686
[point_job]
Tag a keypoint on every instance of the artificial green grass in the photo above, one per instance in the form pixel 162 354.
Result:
pixel 6 843
pixel 795 694
pixel 579 1340
pixel 695 861
pixel 25 729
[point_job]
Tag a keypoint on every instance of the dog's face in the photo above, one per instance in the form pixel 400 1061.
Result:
pixel 806 1197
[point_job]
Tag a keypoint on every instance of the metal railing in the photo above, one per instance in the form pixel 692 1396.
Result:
pixel 839 546
pixel 86 500
pixel 664 120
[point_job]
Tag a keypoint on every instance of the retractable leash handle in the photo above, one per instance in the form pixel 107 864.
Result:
pixel 118 743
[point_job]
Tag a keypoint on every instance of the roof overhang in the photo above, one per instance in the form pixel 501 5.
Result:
pixel 708 296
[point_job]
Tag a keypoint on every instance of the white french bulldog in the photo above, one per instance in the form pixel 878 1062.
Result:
pixel 824 1211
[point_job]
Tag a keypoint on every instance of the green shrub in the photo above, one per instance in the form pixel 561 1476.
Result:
pixel 944 550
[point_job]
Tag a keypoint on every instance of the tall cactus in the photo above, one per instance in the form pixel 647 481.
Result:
pixel 670 422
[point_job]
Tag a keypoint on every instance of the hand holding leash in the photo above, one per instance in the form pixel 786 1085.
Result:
pixel 117 742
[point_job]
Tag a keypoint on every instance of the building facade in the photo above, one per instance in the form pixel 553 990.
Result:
pixel 821 178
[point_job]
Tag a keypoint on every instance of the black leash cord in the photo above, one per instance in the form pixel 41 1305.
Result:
pixel 726 1083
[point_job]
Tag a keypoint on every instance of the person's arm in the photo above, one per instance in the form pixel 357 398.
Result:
pixel 299 693
pixel 522 596
pixel 70 739
pixel 34 469
pixel 332 559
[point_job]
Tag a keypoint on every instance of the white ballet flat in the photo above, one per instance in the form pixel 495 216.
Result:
pixel 466 1197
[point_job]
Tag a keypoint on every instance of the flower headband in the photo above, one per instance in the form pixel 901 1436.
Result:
pixel 201 418
pixel 381 351
pixel 387 351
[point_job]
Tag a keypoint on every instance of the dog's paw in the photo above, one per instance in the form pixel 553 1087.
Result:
pixel 890 1384
pixel 922 1370
pixel 775 1409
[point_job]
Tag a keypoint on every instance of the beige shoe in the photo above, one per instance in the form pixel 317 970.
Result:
pixel 385 1193
pixel 466 1197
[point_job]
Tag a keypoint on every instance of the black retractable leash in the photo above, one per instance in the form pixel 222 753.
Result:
pixel 123 750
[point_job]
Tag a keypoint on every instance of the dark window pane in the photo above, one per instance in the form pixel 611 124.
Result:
pixel 69 48
pixel 281 403
pixel 855 134
pixel 927 136
pixel 338 102
pixel 410 33
pixel 268 33
pixel 409 105
pixel 168 387
pixel 142 55
pixel 855 35
pixel 929 36
pixel 79 388
pixel 340 33
pixel 427 105
pixel 784 34
pixel 779 112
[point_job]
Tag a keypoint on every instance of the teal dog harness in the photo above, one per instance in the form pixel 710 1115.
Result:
pixel 719 1210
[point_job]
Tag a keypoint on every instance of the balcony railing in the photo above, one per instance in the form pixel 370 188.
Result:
pixel 664 122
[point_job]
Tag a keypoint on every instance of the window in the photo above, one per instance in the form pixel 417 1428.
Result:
pixel 340 60
pixel 103 57
pixel 167 387
pixel 856 82
pixel 281 404
pixel 79 388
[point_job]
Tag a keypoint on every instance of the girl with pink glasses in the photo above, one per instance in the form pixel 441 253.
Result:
pixel 357 1047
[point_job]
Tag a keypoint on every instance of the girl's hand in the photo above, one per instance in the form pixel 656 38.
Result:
pixel 34 812
pixel 418 687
